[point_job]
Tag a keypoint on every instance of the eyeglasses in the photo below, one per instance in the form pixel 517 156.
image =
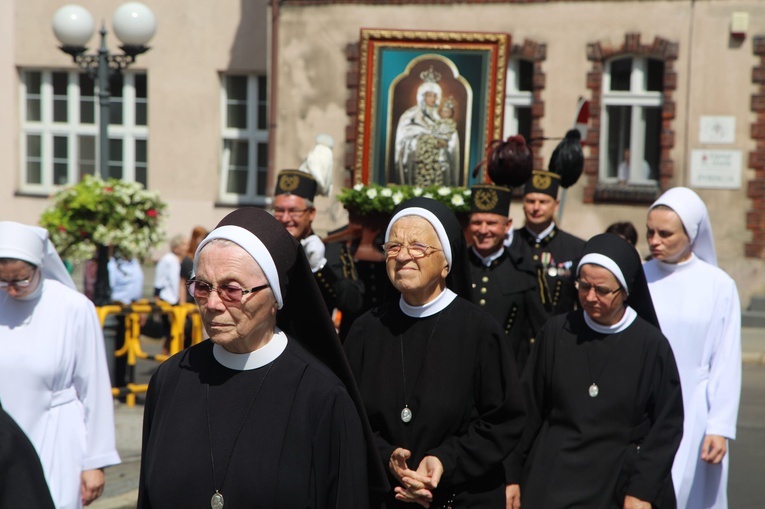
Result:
pixel 600 291
pixel 293 213
pixel 18 284
pixel 228 293
pixel 415 250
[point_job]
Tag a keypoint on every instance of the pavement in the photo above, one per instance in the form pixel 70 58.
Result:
pixel 121 491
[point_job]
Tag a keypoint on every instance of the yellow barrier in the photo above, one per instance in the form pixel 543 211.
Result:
pixel 131 349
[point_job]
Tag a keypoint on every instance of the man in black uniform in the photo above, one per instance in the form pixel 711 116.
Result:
pixel 503 284
pixel 293 207
pixel 553 251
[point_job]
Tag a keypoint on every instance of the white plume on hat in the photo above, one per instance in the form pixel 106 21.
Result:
pixel 319 163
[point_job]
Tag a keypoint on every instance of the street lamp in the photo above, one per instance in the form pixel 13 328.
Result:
pixel 134 24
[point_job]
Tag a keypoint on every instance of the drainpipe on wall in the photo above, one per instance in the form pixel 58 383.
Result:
pixel 688 91
pixel 273 97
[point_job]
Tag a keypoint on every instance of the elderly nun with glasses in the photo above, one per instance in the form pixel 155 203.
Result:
pixel 436 372
pixel 265 413
pixel 603 395
pixel 54 379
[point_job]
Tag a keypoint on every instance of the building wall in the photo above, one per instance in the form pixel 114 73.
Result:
pixel 194 44
pixel 713 78
pixel 189 51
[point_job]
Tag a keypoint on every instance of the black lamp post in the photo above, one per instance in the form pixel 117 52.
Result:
pixel 134 24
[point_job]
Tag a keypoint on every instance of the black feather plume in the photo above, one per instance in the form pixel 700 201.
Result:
pixel 567 159
pixel 510 162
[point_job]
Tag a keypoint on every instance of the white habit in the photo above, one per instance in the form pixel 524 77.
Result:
pixel 54 382
pixel 699 313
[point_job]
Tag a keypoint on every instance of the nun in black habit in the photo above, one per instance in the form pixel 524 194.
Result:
pixel 435 372
pixel 266 412
pixel 605 410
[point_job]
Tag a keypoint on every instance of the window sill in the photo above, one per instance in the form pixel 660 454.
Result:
pixel 258 201
pixel 626 193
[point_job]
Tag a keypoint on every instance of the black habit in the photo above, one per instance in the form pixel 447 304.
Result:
pixel 512 296
pixel 589 452
pixel 22 481
pixel 461 387
pixel 556 256
pixel 300 445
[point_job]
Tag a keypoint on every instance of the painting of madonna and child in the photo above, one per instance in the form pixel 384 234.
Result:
pixel 429 111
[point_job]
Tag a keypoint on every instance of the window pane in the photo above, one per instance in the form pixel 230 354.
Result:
pixel 115 159
pixel 34 82
pixel 87 100
pixel 238 167
pixel 655 79
pixel 236 88
pixel 115 103
pixel 34 110
pixel 236 115
pixel 86 147
pixel 141 168
pixel 619 121
pixel 524 121
pixel 140 86
pixel 34 105
pixel 141 106
pixel 60 160
pixel 525 75
pixel 34 162
pixel 652 141
pixel 60 81
pixel 621 70
pixel 262 103
pixel 262 174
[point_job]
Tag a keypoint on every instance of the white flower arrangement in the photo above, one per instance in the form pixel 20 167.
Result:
pixel 114 213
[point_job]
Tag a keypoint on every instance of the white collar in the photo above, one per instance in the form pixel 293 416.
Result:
pixel 487 260
pixel 540 236
pixel 431 308
pixel 629 317
pixel 252 360
pixel 676 267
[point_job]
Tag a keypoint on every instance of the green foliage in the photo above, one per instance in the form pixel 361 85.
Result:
pixel 112 213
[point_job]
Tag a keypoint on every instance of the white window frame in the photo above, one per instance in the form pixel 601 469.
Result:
pixel 47 129
pixel 514 98
pixel 638 98
pixel 253 135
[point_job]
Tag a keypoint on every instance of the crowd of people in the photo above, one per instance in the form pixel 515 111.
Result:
pixel 470 364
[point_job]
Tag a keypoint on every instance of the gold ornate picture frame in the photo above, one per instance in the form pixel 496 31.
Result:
pixel 429 103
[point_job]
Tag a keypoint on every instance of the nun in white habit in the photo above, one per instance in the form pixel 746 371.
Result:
pixel 53 376
pixel 699 312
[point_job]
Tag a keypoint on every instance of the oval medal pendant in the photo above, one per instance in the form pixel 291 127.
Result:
pixel 552 271
pixel 406 414
pixel 594 390
pixel 216 502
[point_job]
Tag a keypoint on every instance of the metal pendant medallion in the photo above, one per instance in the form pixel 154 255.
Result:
pixel 406 414
pixel 216 502
pixel 552 271
pixel 594 391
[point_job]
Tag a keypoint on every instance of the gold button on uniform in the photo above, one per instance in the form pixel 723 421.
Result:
pixel 482 302
pixel 483 290
pixel 536 257
pixel 485 279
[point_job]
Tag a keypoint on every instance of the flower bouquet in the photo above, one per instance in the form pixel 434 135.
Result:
pixel 96 212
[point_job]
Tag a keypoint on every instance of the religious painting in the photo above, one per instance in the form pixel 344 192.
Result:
pixel 429 103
